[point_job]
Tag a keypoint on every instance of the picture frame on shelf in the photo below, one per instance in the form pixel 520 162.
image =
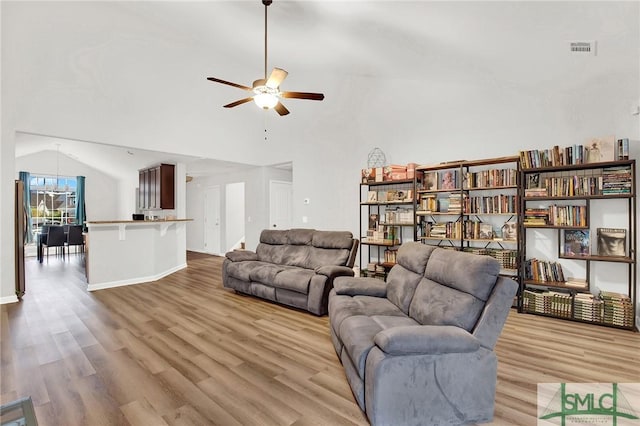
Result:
pixel 448 180
pixel 372 196
pixel 533 180
pixel 374 220
pixel 612 241
pixel 486 231
pixel 577 242
pixel 601 149
pixel 431 181
pixel 510 231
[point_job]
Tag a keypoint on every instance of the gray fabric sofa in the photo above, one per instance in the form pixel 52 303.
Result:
pixel 418 348
pixel 294 267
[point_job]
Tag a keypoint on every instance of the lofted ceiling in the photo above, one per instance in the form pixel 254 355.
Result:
pixel 133 74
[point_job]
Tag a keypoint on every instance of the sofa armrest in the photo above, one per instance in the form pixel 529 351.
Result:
pixel 426 339
pixel 356 286
pixel 333 271
pixel 241 255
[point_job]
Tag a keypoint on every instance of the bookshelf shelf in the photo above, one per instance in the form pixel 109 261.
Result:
pixel 574 230
pixel 593 258
pixel 387 218
pixel 554 226
pixel 483 196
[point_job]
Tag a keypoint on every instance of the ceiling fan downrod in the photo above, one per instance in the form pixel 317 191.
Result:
pixel 266 4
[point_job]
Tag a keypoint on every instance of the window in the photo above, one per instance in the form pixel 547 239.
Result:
pixel 53 201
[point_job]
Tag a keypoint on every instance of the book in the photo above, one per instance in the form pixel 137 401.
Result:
pixel 486 231
pixel 431 181
pixel 373 221
pixel 510 231
pixel 577 242
pixel 601 149
pixel 449 179
pixel 612 241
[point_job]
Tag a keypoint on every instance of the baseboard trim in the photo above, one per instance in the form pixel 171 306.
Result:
pixel 132 281
pixel 8 299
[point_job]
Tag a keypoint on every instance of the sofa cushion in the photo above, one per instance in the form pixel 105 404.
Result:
pixel 271 253
pixel 324 256
pixel 332 239
pixel 343 307
pixel 242 270
pixel 437 304
pixel 294 279
pixel 466 272
pixel 401 285
pixel 300 237
pixel 296 256
pixel 265 273
pixel 358 334
pixel 414 256
pixel 274 236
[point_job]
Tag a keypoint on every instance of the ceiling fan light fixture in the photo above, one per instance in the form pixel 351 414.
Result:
pixel 265 100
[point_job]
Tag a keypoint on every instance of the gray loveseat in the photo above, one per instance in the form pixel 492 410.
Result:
pixel 418 349
pixel 294 267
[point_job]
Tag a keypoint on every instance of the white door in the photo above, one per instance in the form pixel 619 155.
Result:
pixel 212 220
pixel 280 204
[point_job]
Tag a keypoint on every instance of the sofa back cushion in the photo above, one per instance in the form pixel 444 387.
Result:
pixel 405 276
pixel 454 289
pixel 304 248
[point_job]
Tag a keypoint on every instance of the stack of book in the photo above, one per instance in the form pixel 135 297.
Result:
pixel 507 258
pixel 490 178
pixel 543 271
pixel 571 186
pixel 536 216
pixel 616 180
pixel 428 204
pixel 455 203
pixel 535 192
pixel 568 215
pixel 476 250
pixel 547 302
pixel 495 204
pixel 587 307
pixel 618 309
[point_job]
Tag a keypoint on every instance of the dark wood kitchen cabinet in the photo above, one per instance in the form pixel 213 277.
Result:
pixel 157 187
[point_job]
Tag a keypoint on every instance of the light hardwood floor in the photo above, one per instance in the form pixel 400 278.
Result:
pixel 185 351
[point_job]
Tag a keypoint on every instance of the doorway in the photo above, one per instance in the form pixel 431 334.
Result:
pixel 280 204
pixel 212 220
pixel 234 216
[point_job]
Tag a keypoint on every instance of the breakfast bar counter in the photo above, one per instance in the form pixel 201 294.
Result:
pixel 124 252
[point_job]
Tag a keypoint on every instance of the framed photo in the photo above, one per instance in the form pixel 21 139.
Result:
pixel 612 241
pixel 431 181
pixel 533 180
pixel 372 196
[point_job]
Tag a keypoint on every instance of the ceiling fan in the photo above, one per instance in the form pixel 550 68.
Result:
pixel 266 91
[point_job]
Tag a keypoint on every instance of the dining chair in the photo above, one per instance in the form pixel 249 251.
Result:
pixel 55 238
pixel 75 238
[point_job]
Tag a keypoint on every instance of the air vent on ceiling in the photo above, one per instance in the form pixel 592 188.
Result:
pixel 583 47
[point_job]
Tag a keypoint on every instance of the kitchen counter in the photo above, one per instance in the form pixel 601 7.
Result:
pixel 124 252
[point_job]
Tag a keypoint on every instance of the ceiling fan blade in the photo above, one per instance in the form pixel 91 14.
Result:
pixel 281 109
pixel 276 78
pixel 303 95
pixel 239 86
pixel 240 102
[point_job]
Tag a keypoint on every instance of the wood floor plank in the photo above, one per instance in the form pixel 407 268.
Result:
pixel 184 351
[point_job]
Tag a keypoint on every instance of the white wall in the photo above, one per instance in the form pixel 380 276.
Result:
pixel 102 200
pixel 256 205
